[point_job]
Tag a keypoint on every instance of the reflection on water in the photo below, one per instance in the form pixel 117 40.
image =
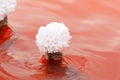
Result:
pixel 7 37
pixel 15 70
pixel 95 28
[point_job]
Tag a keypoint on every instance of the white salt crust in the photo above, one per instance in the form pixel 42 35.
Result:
pixel 53 37
pixel 6 7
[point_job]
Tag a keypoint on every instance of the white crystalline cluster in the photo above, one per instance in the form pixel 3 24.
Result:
pixel 6 7
pixel 53 37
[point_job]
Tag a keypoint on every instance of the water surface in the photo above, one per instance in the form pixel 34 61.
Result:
pixel 94 49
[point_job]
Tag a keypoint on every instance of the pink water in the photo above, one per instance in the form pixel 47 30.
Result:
pixel 94 49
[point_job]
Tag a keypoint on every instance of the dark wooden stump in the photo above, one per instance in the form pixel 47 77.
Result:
pixel 3 23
